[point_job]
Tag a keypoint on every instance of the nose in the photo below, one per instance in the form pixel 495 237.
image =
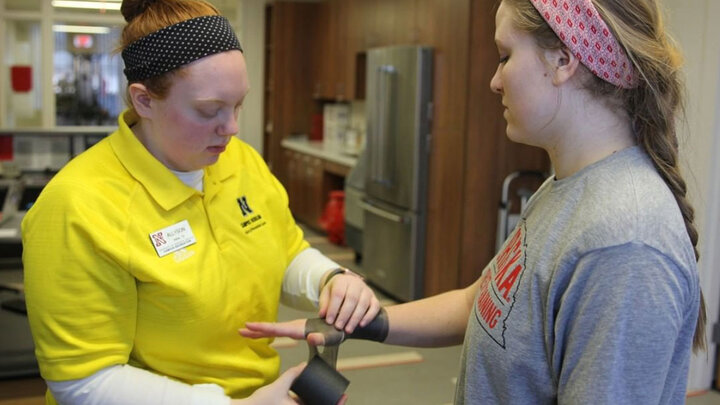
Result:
pixel 229 126
pixel 496 82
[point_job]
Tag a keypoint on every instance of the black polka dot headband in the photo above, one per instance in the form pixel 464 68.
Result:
pixel 178 45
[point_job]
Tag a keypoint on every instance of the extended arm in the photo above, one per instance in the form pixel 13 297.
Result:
pixel 436 321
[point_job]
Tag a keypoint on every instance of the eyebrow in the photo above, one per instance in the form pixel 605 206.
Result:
pixel 209 100
pixel 217 101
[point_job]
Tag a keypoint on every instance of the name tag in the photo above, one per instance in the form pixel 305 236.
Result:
pixel 172 238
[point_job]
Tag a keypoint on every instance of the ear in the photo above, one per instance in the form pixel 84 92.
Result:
pixel 141 99
pixel 564 64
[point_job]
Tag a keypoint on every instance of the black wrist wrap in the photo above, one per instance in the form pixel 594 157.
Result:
pixel 377 330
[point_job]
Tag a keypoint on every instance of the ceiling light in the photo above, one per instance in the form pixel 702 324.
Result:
pixel 102 5
pixel 81 29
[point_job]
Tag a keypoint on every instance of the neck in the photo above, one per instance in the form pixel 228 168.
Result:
pixel 592 132
pixel 143 131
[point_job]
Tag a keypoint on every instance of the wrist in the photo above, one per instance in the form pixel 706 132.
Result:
pixel 335 272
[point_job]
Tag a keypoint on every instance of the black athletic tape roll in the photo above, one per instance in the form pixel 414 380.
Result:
pixel 320 383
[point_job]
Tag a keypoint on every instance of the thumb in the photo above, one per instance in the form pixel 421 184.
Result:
pixel 323 301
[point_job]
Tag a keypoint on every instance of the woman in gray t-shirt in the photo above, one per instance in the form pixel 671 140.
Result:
pixel 594 297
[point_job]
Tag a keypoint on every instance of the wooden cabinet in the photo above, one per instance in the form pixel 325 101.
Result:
pixel 288 76
pixel 389 23
pixel 335 56
pixel 309 180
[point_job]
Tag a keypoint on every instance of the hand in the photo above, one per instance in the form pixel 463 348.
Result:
pixel 346 301
pixel 277 392
pixel 292 329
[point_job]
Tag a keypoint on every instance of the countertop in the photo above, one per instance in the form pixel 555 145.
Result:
pixel 10 228
pixel 60 131
pixel 321 150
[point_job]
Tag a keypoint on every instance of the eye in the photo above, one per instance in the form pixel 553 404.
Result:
pixel 503 59
pixel 208 113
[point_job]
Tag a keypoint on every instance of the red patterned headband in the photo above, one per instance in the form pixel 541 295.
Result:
pixel 584 32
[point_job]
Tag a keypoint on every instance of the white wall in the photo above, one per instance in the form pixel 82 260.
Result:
pixel 252 38
pixel 694 25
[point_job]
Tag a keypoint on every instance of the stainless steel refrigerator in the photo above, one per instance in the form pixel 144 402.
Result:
pixel 398 107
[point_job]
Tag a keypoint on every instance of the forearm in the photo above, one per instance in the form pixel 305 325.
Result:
pixel 124 384
pixel 303 278
pixel 436 321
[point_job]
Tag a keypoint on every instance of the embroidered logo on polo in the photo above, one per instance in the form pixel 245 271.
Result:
pixel 250 222
pixel 244 207
pixel 498 286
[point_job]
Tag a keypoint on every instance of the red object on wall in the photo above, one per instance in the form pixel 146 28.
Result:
pixel 333 218
pixel 6 147
pixel 316 127
pixel 21 78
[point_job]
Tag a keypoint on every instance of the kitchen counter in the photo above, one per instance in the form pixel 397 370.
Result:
pixel 62 131
pixel 320 150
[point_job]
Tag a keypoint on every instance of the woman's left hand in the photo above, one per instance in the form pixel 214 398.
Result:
pixel 346 302
pixel 292 329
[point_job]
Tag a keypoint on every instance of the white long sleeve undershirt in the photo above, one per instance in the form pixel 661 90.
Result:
pixel 301 283
pixel 125 384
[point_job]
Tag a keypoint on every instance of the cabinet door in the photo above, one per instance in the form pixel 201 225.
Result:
pixel 351 25
pixel 289 84
pixel 314 191
pixel 325 57
pixel 291 180
pixel 390 23
pixel 335 54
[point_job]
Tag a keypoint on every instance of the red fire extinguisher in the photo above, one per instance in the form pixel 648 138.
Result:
pixel 333 217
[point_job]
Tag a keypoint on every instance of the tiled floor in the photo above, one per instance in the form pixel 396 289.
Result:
pixel 379 374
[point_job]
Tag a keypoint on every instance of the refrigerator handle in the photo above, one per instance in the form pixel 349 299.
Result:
pixel 377 144
pixel 384 103
pixel 382 213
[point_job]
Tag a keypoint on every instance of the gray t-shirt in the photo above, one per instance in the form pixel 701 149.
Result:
pixel 593 299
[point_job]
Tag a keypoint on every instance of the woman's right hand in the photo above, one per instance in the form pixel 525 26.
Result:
pixel 277 392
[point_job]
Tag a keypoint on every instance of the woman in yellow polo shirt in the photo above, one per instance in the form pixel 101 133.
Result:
pixel 146 254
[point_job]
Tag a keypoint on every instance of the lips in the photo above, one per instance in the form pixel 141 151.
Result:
pixel 217 148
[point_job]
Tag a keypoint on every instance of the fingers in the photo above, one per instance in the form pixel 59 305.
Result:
pixel 347 302
pixel 351 313
pixel 337 294
pixel 316 339
pixel 286 379
pixel 292 329
pixel 371 313
pixel 343 399
pixel 323 301
pixel 278 392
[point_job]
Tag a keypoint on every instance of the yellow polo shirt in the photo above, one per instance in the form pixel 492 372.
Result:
pixel 126 264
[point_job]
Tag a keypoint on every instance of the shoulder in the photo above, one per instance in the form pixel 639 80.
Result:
pixel 93 184
pixel 626 201
pixel 638 273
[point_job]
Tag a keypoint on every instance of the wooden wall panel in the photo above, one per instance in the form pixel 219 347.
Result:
pixel 291 82
pixel 445 25
pixel 489 155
